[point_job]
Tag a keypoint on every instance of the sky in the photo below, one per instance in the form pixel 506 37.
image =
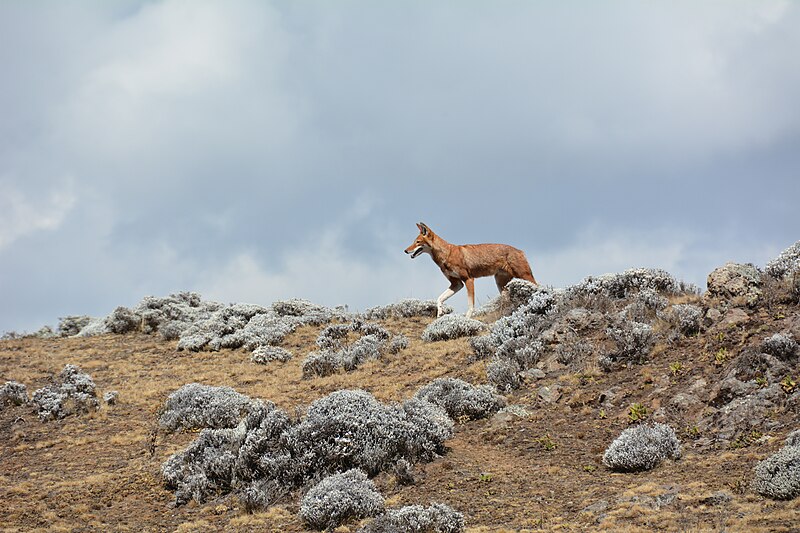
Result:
pixel 254 151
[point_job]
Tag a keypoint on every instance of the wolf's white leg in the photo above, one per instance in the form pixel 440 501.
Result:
pixel 454 288
pixel 470 296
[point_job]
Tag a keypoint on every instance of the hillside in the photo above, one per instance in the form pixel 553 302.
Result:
pixel 575 367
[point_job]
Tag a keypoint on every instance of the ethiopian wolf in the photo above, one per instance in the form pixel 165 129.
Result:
pixel 461 264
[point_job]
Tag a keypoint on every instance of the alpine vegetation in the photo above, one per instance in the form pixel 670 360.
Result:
pixel 634 341
pixel 786 264
pixel 687 318
pixel 266 353
pixel 626 283
pixel 335 353
pixel 195 406
pixel 436 518
pixel 642 448
pixel 407 308
pixel 504 374
pixel 778 476
pixel 267 455
pixel 450 327
pixel 72 325
pixel 13 393
pixel 339 498
pixel 460 399
pixel 781 346
pixel 74 393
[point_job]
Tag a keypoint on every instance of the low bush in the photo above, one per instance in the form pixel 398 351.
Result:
pixel 339 498
pixel 778 476
pixel 405 309
pixel 13 393
pixel 195 406
pixel 642 447
pixel 335 354
pixel 452 326
pixel 461 399
pixel 781 346
pixel 634 341
pixel 72 325
pixel 267 455
pixel 786 264
pixel 436 518
pixel 504 374
pixel 266 354
pixel 686 318
pixel 73 393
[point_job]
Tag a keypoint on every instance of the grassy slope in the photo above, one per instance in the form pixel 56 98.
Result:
pixel 101 471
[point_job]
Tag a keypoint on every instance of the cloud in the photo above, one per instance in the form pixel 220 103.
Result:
pixel 21 215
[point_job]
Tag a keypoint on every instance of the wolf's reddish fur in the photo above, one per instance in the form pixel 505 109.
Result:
pixel 461 264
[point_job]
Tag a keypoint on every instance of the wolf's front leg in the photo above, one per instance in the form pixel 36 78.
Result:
pixel 470 297
pixel 455 286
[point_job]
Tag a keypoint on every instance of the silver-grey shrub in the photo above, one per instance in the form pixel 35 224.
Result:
pixel 461 399
pixel 73 393
pixel 452 326
pixel 782 346
pixel 196 406
pixel 436 518
pixel 266 354
pixel 267 455
pixel 642 447
pixel 407 308
pixel 13 393
pixel 72 325
pixel 686 318
pixel 504 374
pixel 625 283
pixel 341 497
pixel 634 341
pixel 398 343
pixel 778 476
pixel 786 264
pixel 335 354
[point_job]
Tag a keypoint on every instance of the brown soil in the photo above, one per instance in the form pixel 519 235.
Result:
pixel 507 473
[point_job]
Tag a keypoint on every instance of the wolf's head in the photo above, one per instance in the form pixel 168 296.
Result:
pixel 423 243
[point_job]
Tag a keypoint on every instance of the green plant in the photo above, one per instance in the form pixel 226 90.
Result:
pixel 788 384
pixel 761 381
pixel 721 356
pixel 589 468
pixel 743 441
pixel 602 414
pixel 676 368
pixel 547 443
pixel 637 412
pixel 485 477
pixel 691 432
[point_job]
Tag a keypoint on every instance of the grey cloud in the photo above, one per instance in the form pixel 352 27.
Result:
pixel 193 139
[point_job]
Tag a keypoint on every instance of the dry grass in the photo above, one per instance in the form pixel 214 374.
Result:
pixel 101 472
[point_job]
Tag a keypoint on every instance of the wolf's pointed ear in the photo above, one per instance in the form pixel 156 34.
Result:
pixel 423 229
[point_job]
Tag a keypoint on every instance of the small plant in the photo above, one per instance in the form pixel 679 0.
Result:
pixel 485 477
pixel 589 468
pixel 602 414
pixel 761 381
pixel 721 356
pixel 547 443
pixel 676 368
pixel 692 432
pixel 637 412
pixel 788 384
pixel 744 441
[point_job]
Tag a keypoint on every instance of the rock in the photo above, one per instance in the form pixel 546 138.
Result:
pixel 718 498
pixel 728 389
pixel 743 414
pixel 532 373
pixel 699 389
pixel 607 397
pixel 682 402
pixel 713 315
pixel 736 283
pixel 550 394
pixel 597 507
pixel 111 397
pixel 733 319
